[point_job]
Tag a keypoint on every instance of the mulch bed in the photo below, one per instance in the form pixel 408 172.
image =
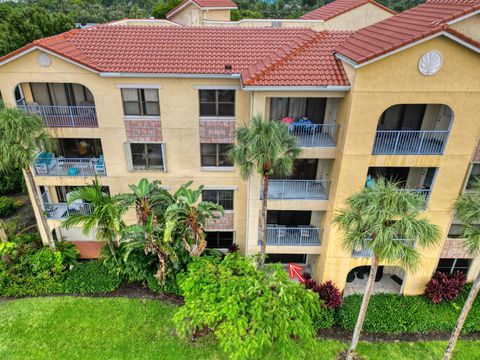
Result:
pixel 337 333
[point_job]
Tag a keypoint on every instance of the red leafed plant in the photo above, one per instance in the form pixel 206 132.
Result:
pixel 443 287
pixel 327 291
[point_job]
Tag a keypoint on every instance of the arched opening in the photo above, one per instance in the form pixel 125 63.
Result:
pixel 389 280
pixel 59 104
pixel 413 129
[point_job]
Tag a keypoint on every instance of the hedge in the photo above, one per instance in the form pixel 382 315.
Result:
pixel 394 314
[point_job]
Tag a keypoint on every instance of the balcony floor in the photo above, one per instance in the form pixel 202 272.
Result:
pixel 385 286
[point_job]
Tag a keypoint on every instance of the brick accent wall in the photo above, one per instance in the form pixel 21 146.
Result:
pixel 144 130
pixel 88 249
pixel 453 249
pixel 217 131
pixel 224 223
pixel 476 156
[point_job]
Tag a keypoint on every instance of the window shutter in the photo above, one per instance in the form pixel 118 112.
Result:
pixel 164 155
pixel 128 156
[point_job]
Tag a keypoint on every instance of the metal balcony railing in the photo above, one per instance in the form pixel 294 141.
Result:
pixel 46 164
pixel 58 211
pixel 293 236
pixel 63 116
pixel 297 189
pixel 423 192
pixel 315 135
pixel 364 251
pixel 424 142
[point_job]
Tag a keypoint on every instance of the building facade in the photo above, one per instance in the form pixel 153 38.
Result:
pixel 131 100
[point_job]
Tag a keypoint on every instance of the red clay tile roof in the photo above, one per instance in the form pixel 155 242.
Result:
pixel 204 4
pixel 205 50
pixel 300 67
pixel 405 28
pixel 339 7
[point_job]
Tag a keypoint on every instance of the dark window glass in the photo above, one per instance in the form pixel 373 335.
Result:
pixel 142 102
pixel 220 197
pixel 217 103
pixel 147 156
pixel 286 258
pixel 289 218
pixel 215 155
pixel 449 266
pixel 79 148
pixel 456 231
pixel 474 176
pixel 219 239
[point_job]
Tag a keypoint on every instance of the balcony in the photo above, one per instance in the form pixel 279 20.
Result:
pixel 422 142
pixel 413 129
pixel 292 236
pixel 314 135
pixel 63 116
pixel 365 252
pixel 46 164
pixel 298 189
pixel 59 211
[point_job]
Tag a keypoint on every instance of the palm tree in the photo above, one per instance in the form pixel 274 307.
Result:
pixel 149 237
pixel 376 218
pixel 149 199
pixel 467 210
pixel 187 217
pixel 3 234
pixel 265 147
pixel 105 216
pixel 22 136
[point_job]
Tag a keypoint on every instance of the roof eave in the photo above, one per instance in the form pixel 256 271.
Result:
pixel 341 88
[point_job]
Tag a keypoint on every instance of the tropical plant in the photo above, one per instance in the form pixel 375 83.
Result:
pixel 22 136
pixel 186 218
pixel 150 237
pixel 264 147
pixel 105 216
pixel 376 218
pixel 467 210
pixel 248 310
pixel 444 287
pixel 149 199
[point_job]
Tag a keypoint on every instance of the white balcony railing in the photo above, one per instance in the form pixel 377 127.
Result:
pixel 58 211
pixel 297 189
pixel 423 192
pixel 63 116
pixel 293 236
pixel 315 135
pixel 424 142
pixel 364 251
pixel 46 164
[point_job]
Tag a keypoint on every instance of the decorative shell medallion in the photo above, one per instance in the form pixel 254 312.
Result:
pixel 430 63
pixel 44 60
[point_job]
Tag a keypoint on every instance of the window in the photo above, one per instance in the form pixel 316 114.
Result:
pixel 312 108
pixel 448 266
pixel 219 239
pixel 215 155
pixel 220 197
pixel 456 231
pixel 474 175
pixel 146 156
pixel 142 102
pixel 217 103
pixel 79 148
pixel 286 258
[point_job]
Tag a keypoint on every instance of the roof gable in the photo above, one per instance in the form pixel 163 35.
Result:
pixel 339 7
pixel 407 28
pixel 203 4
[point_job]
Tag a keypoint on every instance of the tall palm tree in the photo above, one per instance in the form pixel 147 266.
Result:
pixel 187 217
pixel 105 216
pixel 149 199
pixel 376 218
pixel 22 136
pixel 265 147
pixel 467 210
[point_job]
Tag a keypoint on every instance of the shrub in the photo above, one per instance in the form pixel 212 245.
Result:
pixel 8 206
pixel 12 183
pixel 327 292
pixel 443 287
pixel 395 314
pixel 90 277
pixel 248 310
pixel 170 286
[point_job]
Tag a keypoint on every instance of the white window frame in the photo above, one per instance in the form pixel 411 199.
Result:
pixel 128 156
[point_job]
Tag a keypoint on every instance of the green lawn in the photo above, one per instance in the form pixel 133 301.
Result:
pixel 88 328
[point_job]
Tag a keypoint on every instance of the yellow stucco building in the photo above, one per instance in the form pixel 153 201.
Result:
pixel 145 99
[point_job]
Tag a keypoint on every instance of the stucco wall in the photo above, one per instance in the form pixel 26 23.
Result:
pixel 470 27
pixel 358 18
pixel 190 15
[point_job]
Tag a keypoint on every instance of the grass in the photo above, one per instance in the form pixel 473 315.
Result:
pixel 118 328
